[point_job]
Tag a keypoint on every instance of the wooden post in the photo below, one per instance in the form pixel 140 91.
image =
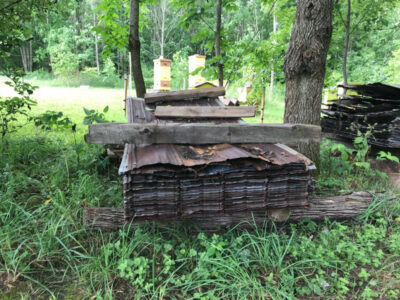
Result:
pixel 262 105
pixel 126 91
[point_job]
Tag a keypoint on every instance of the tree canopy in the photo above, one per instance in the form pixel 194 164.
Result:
pixel 79 37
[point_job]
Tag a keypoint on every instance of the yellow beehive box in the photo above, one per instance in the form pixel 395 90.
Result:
pixel 162 74
pixel 204 84
pixel 196 61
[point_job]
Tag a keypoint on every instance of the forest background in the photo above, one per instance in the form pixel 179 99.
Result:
pixel 84 42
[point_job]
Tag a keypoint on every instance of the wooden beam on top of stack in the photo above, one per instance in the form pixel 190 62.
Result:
pixel 200 133
pixel 184 95
pixel 205 111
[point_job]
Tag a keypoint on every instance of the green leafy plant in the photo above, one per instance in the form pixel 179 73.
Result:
pixel 94 116
pixel 349 168
pixel 387 156
pixel 13 107
pixel 52 120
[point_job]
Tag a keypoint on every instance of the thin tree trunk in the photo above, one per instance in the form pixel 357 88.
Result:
pixel 346 45
pixel 23 58
pixel 271 85
pixel 30 61
pixel 130 73
pixel 163 13
pixel 96 46
pixel 262 105
pixel 304 66
pixel 26 56
pixel 134 48
pixel 218 44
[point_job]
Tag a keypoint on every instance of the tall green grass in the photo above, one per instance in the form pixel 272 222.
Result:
pixel 46 251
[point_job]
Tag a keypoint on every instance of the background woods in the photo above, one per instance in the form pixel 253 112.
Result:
pixel 81 39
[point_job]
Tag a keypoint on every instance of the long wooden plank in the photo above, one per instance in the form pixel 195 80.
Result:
pixel 213 92
pixel 332 207
pixel 200 133
pixel 205 111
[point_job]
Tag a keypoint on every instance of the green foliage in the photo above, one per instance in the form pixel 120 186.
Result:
pixel 13 107
pixel 64 62
pixel 393 67
pixel 112 26
pixel 52 120
pixel 94 116
pixel 180 69
pixel 387 156
pixel 348 169
pixel 372 26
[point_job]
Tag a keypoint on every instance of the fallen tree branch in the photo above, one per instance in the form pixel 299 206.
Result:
pixel 332 207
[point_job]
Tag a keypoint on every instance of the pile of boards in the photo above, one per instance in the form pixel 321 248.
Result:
pixel 178 181
pixel 374 107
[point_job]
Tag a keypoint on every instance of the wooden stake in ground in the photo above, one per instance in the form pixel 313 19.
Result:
pixel 126 91
pixel 262 105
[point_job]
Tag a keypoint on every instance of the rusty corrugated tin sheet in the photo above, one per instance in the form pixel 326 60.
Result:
pixel 136 157
pixel 377 107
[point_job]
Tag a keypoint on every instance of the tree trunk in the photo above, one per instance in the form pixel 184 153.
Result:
pixel 96 46
pixel 26 56
pixel 271 85
pixel 163 15
pixel 346 45
pixel 218 44
pixel 304 66
pixel 134 48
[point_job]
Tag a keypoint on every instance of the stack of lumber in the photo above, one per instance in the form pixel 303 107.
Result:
pixel 376 108
pixel 184 180
pixel 187 156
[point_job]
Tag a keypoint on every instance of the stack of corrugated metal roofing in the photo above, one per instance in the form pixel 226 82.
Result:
pixel 377 107
pixel 164 181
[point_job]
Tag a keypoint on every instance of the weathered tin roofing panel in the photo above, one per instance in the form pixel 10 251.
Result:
pixel 136 157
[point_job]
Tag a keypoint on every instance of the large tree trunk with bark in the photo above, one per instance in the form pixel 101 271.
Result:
pixel 134 48
pixel 218 43
pixel 304 66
